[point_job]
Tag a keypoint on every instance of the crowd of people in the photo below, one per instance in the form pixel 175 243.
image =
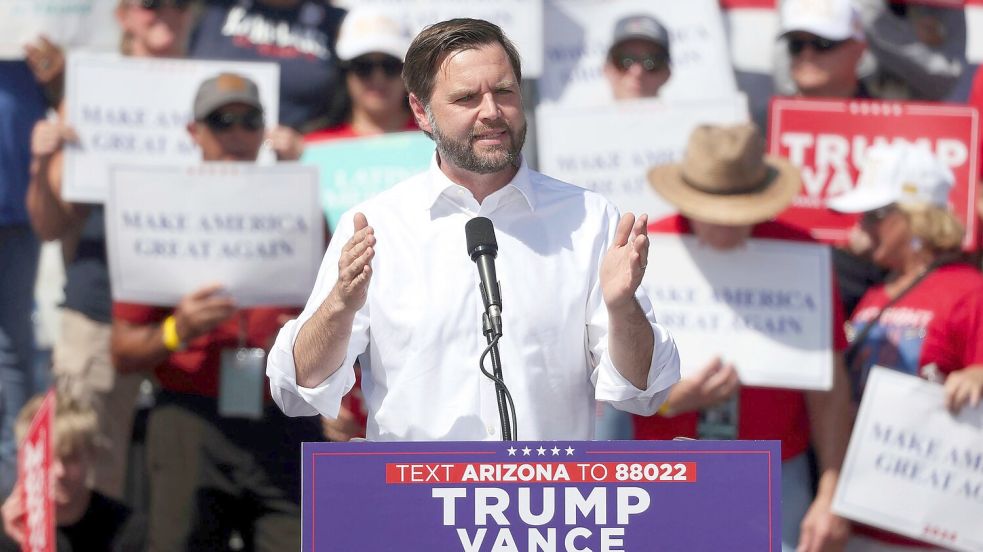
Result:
pixel 220 482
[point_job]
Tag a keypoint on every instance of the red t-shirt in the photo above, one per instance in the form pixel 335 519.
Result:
pixel 195 370
pixel 345 130
pixel 938 323
pixel 764 413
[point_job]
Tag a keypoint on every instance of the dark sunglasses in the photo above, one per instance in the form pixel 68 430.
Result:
pixel 363 68
pixel 652 63
pixel 250 120
pixel 873 218
pixel 158 4
pixel 818 44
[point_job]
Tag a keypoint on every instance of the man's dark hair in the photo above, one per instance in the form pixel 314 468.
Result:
pixel 434 43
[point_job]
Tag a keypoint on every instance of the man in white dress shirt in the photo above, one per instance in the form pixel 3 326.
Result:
pixel 398 291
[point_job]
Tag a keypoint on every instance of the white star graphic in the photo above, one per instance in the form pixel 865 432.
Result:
pixel 555 451
pixel 569 451
pixel 541 451
pixel 525 451
pixel 511 451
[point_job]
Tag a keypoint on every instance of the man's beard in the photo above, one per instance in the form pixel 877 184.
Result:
pixel 462 153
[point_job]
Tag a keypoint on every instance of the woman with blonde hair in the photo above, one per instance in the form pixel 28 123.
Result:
pixel 927 318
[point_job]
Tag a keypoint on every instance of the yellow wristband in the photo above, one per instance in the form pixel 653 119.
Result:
pixel 664 409
pixel 172 341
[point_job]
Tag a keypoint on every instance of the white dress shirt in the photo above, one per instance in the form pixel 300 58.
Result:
pixel 419 338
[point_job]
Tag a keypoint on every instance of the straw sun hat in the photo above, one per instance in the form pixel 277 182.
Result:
pixel 726 178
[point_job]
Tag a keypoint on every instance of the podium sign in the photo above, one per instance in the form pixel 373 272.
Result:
pixel 549 495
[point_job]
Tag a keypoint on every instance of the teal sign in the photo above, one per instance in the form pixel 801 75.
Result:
pixel 353 170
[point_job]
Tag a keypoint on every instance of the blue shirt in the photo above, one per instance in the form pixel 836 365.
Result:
pixel 22 103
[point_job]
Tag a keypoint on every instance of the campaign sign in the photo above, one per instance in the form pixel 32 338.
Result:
pixel 256 230
pixel 610 148
pixel 542 496
pixel 827 140
pixel 136 110
pixel 34 458
pixel 579 33
pixel 82 24
pixel 912 467
pixel 766 307
pixel 522 20
pixel 353 170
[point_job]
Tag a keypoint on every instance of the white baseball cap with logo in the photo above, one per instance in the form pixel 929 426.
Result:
pixel 369 30
pixel 902 174
pixel 829 19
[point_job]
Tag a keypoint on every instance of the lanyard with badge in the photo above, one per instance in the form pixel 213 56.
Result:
pixel 240 393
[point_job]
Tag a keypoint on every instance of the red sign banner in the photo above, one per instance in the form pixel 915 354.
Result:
pixel 772 4
pixel 33 466
pixel 827 140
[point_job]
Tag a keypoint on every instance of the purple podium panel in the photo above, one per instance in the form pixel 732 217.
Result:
pixel 549 496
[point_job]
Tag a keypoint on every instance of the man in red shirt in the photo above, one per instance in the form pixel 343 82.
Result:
pixel 728 191
pixel 217 462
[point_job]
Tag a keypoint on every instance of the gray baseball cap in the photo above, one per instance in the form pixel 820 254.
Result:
pixel 225 89
pixel 642 27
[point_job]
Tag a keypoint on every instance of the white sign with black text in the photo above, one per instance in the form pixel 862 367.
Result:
pixel 258 231
pixel 765 307
pixel 914 468
pixel 579 33
pixel 136 111
pixel 610 148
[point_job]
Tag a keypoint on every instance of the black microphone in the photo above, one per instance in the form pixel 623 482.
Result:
pixel 483 248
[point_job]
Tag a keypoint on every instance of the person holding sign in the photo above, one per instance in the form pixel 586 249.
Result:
pixel 219 457
pixel 728 192
pixel 85 519
pixel 80 360
pixel 927 318
pixel 637 64
pixel 398 295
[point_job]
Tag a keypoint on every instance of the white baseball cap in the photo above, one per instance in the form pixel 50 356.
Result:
pixel 829 19
pixel 367 30
pixel 901 173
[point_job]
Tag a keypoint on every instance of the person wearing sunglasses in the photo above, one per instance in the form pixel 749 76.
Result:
pixel 824 40
pixel 211 474
pixel 80 357
pixel 926 320
pixel 371 47
pixel 637 63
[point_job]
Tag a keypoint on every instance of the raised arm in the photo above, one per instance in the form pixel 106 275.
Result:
pixel 630 337
pixel 322 342
pixel 51 217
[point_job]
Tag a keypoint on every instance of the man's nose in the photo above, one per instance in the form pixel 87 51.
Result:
pixel 489 109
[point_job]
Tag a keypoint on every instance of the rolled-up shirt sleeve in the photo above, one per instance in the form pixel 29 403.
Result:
pixel 609 385
pixel 325 399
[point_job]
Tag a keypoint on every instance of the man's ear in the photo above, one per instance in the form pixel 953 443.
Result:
pixel 420 114
pixel 193 131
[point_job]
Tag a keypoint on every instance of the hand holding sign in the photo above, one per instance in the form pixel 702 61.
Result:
pixel 711 386
pixel 48 137
pixel 202 311
pixel 964 387
pixel 14 515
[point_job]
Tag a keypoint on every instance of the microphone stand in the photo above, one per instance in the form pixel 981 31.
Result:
pixel 503 413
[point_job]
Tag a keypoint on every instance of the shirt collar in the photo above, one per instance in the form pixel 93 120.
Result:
pixel 438 183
